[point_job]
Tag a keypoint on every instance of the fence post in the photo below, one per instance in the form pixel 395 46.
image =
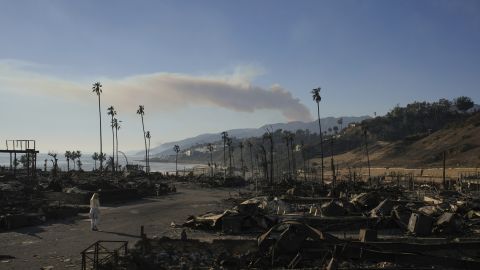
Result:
pixel 95 256
pixel 84 263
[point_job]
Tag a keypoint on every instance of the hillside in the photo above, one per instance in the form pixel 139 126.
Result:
pixel 328 122
pixel 413 136
pixel 460 141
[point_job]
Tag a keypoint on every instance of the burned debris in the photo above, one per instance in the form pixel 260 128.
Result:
pixel 30 196
pixel 373 227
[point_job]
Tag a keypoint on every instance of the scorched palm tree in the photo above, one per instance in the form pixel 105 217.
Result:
pixel 176 148
pixel 141 112
pixel 317 98
pixel 97 89
pixel 111 111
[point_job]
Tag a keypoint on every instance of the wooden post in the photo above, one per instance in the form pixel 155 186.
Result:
pixel 444 178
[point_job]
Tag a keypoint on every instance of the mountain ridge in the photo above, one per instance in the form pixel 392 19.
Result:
pixel 327 122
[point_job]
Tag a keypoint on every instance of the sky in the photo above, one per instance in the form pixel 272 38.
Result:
pixel 208 66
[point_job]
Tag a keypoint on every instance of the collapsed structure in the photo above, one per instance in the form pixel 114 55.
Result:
pixel 306 225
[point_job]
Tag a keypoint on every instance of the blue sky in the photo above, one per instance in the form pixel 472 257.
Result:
pixel 208 66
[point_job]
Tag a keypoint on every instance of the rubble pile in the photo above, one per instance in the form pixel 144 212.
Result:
pixel 215 181
pixel 388 227
pixel 379 208
pixel 248 216
pixel 166 253
pixel 296 245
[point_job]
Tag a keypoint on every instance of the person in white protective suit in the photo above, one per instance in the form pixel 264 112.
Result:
pixel 94 211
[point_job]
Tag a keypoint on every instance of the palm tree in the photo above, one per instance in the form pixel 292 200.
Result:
pixel 340 122
pixel 112 113
pixel 269 136
pixel 264 162
pixel 210 149
pixel 317 98
pixel 250 145
pixel 79 164
pixel 68 155
pixel 73 157
pixel 240 145
pixel 102 157
pixel 97 88
pixel 286 137
pixel 55 162
pixel 224 138
pixel 116 124
pixel 24 160
pixel 304 158
pixel 147 135
pixel 141 112
pixel 110 162
pixel 176 148
pixel 95 157
pixel 76 155
pixel 232 153
pixel 291 138
pixel 229 144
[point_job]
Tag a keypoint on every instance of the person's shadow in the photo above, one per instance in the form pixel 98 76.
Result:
pixel 121 234
pixel 30 230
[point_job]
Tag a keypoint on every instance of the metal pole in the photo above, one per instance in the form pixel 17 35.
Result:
pixel 95 256
pixel 84 262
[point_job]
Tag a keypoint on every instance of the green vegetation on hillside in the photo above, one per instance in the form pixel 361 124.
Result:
pixel 400 128
pixel 418 119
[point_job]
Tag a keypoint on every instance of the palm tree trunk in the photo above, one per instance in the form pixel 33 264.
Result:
pixel 224 158
pixel 304 165
pixel 68 164
pixel 241 159
pixel 176 162
pixel 251 161
pixel 230 160
pixel 271 160
pixel 116 139
pixel 146 151
pixel 113 149
pixel 148 154
pixel 334 176
pixel 321 137
pixel 211 163
pixel 100 115
pixel 294 165
pixel 288 159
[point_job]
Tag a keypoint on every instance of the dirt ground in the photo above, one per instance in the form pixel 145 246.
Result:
pixel 59 244
pixel 421 174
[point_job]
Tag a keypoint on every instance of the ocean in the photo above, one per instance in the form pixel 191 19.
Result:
pixel 88 163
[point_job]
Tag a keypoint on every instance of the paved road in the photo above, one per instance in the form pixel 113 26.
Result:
pixel 59 244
